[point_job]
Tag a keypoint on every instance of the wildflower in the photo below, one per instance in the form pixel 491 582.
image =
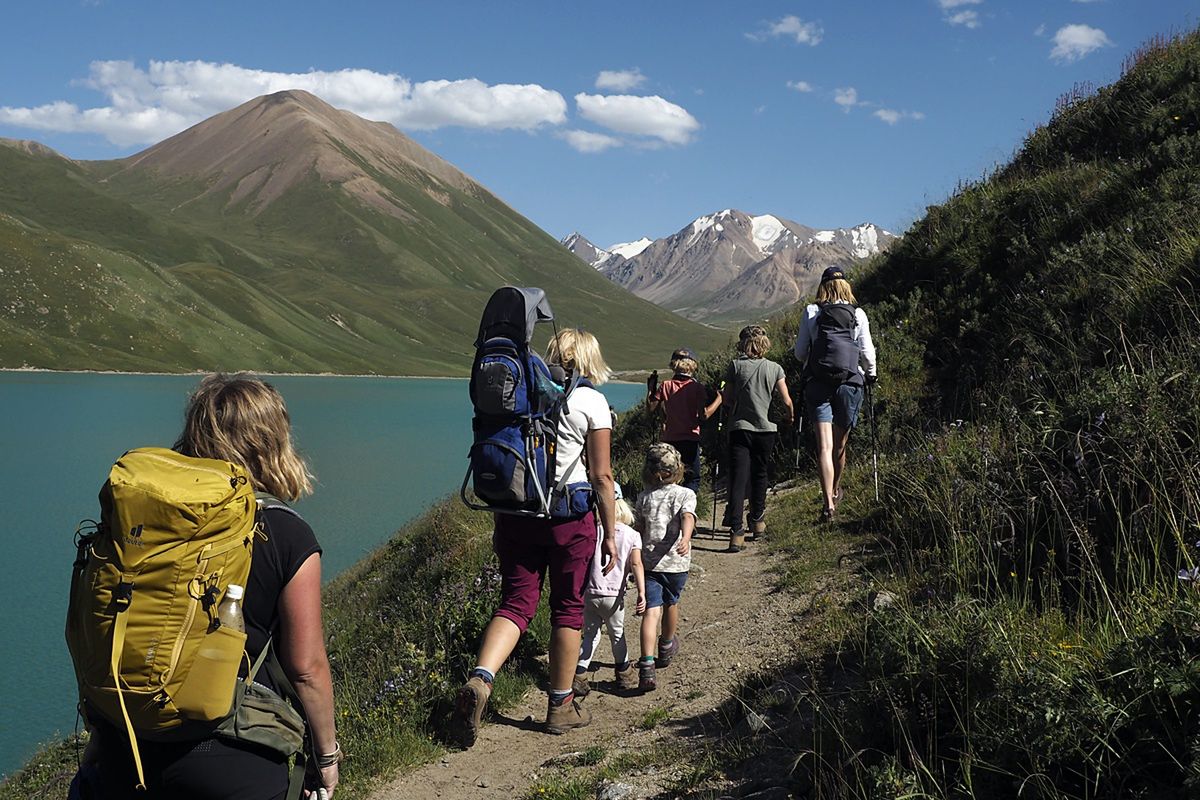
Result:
pixel 1012 574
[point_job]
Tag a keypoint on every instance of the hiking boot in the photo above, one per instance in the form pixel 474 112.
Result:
pixel 565 716
pixel 580 685
pixel 627 679
pixel 757 525
pixel 737 542
pixel 468 710
pixel 826 515
pixel 646 680
pixel 666 652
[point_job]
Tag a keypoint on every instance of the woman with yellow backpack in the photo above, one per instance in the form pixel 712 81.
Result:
pixel 236 435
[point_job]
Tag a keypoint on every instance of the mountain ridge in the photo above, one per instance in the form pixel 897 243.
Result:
pixel 287 236
pixel 730 264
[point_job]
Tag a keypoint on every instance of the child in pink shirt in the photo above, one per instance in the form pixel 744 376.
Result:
pixel 604 603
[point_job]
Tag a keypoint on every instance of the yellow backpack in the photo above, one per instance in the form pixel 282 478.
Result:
pixel 149 653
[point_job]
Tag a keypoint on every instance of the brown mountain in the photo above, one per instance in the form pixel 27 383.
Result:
pixel 283 235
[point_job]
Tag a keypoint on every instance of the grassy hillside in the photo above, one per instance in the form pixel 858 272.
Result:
pixel 1038 540
pixel 125 269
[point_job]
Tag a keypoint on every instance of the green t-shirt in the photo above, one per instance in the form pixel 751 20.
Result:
pixel 752 383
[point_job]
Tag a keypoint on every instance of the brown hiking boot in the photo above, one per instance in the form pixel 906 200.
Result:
pixel 468 710
pixel 580 685
pixel 627 679
pixel 758 527
pixel 565 716
pixel 737 542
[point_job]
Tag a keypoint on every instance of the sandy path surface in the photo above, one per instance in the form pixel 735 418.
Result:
pixel 728 615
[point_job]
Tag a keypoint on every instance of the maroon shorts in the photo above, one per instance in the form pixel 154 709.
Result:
pixel 527 549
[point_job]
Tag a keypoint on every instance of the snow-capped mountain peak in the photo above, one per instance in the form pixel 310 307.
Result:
pixel 578 244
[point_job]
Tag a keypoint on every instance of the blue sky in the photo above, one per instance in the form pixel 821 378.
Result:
pixel 619 120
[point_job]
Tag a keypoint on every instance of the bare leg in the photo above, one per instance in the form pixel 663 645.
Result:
pixel 841 438
pixel 564 655
pixel 825 462
pixel 499 639
pixel 670 622
pixel 650 631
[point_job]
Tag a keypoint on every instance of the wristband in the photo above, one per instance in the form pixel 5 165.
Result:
pixel 329 759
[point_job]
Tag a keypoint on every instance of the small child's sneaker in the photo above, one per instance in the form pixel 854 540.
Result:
pixel 666 652
pixel 646 681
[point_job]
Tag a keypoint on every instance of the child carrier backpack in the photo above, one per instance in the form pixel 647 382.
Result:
pixel 835 353
pixel 149 653
pixel 518 402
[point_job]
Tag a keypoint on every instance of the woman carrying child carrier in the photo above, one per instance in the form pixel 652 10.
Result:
pixel 240 419
pixel 750 383
pixel 834 343
pixel 530 547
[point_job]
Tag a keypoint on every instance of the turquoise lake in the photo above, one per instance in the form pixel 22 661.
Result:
pixel 383 449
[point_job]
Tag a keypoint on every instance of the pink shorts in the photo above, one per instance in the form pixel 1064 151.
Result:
pixel 527 549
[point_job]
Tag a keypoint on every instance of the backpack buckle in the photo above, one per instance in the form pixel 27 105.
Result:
pixel 123 595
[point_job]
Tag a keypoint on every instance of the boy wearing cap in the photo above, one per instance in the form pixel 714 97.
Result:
pixel 685 401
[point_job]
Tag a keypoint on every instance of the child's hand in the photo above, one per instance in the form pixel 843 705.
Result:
pixel 641 605
pixel 684 546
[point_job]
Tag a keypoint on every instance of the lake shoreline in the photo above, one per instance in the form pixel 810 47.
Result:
pixel 22 370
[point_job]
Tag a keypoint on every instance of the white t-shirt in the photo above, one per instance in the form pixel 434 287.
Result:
pixel 613 583
pixel 588 412
pixel 659 514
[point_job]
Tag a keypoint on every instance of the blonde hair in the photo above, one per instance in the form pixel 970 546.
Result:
pixel 662 460
pixel 578 351
pixel 624 513
pixel 242 419
pixel 686 366
pixel 753 341
pixel 835 291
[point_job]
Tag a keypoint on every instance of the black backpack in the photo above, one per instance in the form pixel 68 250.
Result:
pixel 835 353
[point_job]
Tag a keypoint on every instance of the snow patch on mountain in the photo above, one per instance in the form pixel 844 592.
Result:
pixel 824 236
pixel 765 230
pixel 630 249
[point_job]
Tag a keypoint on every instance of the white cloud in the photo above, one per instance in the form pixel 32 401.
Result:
pixel 589 142
pixel 847 98
pixel 891 116
pixel 792 27
pixel 1073 42
pixel 1040 30
pixel 619 80
pixel 147 105
pixel 651 116
pixel 966 17
pixel 800 86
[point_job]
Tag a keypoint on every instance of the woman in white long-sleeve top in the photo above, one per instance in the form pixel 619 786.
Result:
pixel 834 343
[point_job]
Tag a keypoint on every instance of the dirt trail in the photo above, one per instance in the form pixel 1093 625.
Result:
pixel 732 624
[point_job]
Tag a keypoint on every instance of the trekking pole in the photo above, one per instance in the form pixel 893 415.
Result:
pixel 874 439
pixel 712 528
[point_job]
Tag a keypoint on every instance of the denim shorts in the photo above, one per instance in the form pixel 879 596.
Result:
pixel 664 588
pixel 836 404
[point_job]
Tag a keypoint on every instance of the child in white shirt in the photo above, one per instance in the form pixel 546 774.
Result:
pixel 666 515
